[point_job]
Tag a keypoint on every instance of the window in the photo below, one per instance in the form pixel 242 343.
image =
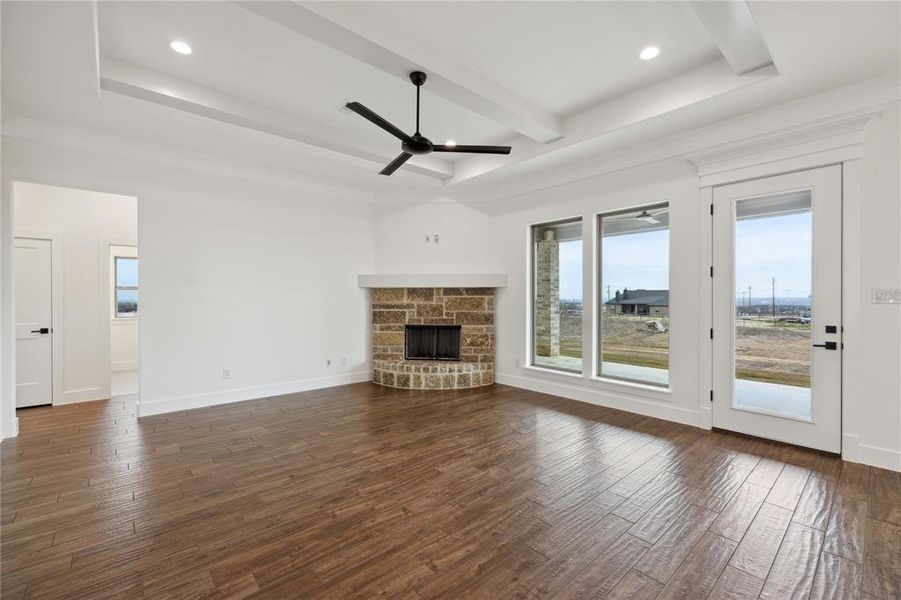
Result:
pixel 635 297
pixel 557 295
pixel 126 299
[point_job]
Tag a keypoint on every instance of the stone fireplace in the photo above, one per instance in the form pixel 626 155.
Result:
pixel 460 315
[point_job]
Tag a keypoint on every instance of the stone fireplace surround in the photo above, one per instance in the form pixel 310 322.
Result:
pixel 471 308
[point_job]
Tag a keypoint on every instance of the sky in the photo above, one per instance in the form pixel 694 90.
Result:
pixel 641 260
pixel 761 252
pixel 127 271
pixel 571 270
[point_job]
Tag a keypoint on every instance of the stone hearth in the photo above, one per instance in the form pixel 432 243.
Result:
pixel 471 308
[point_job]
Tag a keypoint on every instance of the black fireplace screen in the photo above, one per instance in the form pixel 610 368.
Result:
pixel 432 342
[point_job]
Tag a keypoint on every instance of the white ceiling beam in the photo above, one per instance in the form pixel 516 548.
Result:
pixel 733 28
pixel 361 34
pixel 324 139
pixel 593 127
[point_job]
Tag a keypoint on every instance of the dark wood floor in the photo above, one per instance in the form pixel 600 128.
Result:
pixel 362 491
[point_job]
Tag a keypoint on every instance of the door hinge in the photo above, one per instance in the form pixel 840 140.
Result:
pixel 711 333
pixel 711 209
pixel 711 271
pixel 711 395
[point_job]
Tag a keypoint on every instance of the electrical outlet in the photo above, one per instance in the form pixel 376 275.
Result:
pixel 343 361
pixel 226 374
pixel 328 362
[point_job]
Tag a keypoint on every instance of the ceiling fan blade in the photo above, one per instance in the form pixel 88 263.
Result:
pixel 395 164
pixel 376 119
pixel 473 149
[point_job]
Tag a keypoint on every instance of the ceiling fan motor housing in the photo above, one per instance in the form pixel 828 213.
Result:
pixel 417 144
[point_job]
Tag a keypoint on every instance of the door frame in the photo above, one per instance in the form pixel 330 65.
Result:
pixel 826 437
pixel 853 297
pixel 57 253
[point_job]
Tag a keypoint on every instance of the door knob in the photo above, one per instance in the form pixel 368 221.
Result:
pixel 41 330
pixel 827 345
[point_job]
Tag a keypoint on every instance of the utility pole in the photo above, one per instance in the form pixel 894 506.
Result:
pixel 774 300
pixel 749 300
pixel 743 305
pixel 608 293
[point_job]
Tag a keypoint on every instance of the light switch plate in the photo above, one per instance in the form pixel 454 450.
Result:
pixel 887 296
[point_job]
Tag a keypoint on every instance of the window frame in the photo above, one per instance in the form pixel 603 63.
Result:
pixel 128 288
pixel 598 328
pixel 532 290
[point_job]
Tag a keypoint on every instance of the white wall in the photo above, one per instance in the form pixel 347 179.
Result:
pixel 124 330
pixel 82 225
pixel 257 279
pixel 873 402
pixel 464 232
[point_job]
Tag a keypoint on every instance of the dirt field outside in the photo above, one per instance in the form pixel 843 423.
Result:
pixel 768 352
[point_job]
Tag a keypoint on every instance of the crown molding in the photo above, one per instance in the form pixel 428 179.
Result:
pixel 23 128
pixel 818 143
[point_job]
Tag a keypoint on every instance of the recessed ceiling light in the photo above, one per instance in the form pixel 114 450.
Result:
pixel 450 143
pixel 180 47
pixel 649 53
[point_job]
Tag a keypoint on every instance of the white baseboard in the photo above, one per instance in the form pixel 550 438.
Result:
pixel 166 405
pixel 606 398
pixel 866 454
pixel 82 395
pixel 124 365
pixel 884 458
pixel 10 429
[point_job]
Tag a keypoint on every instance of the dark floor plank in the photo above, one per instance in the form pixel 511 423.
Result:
pixel 847 529
pixel 736 585
pixel 758 547
pixel 662 559
pixel 786 492
pixel 600 577
pixel 737 515
pixel 700 571
pixel 793 570
pixel 635 586
pixel 815 503
pixel 836 579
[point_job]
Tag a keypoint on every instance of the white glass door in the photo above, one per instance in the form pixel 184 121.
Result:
pixel 777 308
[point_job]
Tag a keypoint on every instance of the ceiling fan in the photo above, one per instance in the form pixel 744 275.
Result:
pixel 651 218
pixel 417 143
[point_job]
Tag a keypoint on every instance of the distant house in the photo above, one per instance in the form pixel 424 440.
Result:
pixel 640 302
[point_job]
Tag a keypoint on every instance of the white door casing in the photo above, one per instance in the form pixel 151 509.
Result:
pixel 34 349
pixel 822 429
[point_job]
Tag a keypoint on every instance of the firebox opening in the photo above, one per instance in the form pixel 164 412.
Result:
pixel 432 342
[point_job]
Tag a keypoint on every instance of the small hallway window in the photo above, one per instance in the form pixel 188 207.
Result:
pixel 126 300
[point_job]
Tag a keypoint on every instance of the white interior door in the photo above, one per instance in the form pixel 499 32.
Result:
pixel 34 339
pixel 777 308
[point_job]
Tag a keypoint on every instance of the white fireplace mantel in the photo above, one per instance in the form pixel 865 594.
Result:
pixel 432 280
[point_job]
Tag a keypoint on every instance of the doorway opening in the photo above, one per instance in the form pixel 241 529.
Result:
pixel 125 306
pixel 76 295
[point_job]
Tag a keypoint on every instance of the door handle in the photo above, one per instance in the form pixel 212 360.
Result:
pixel 41 330
pixel 827 345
